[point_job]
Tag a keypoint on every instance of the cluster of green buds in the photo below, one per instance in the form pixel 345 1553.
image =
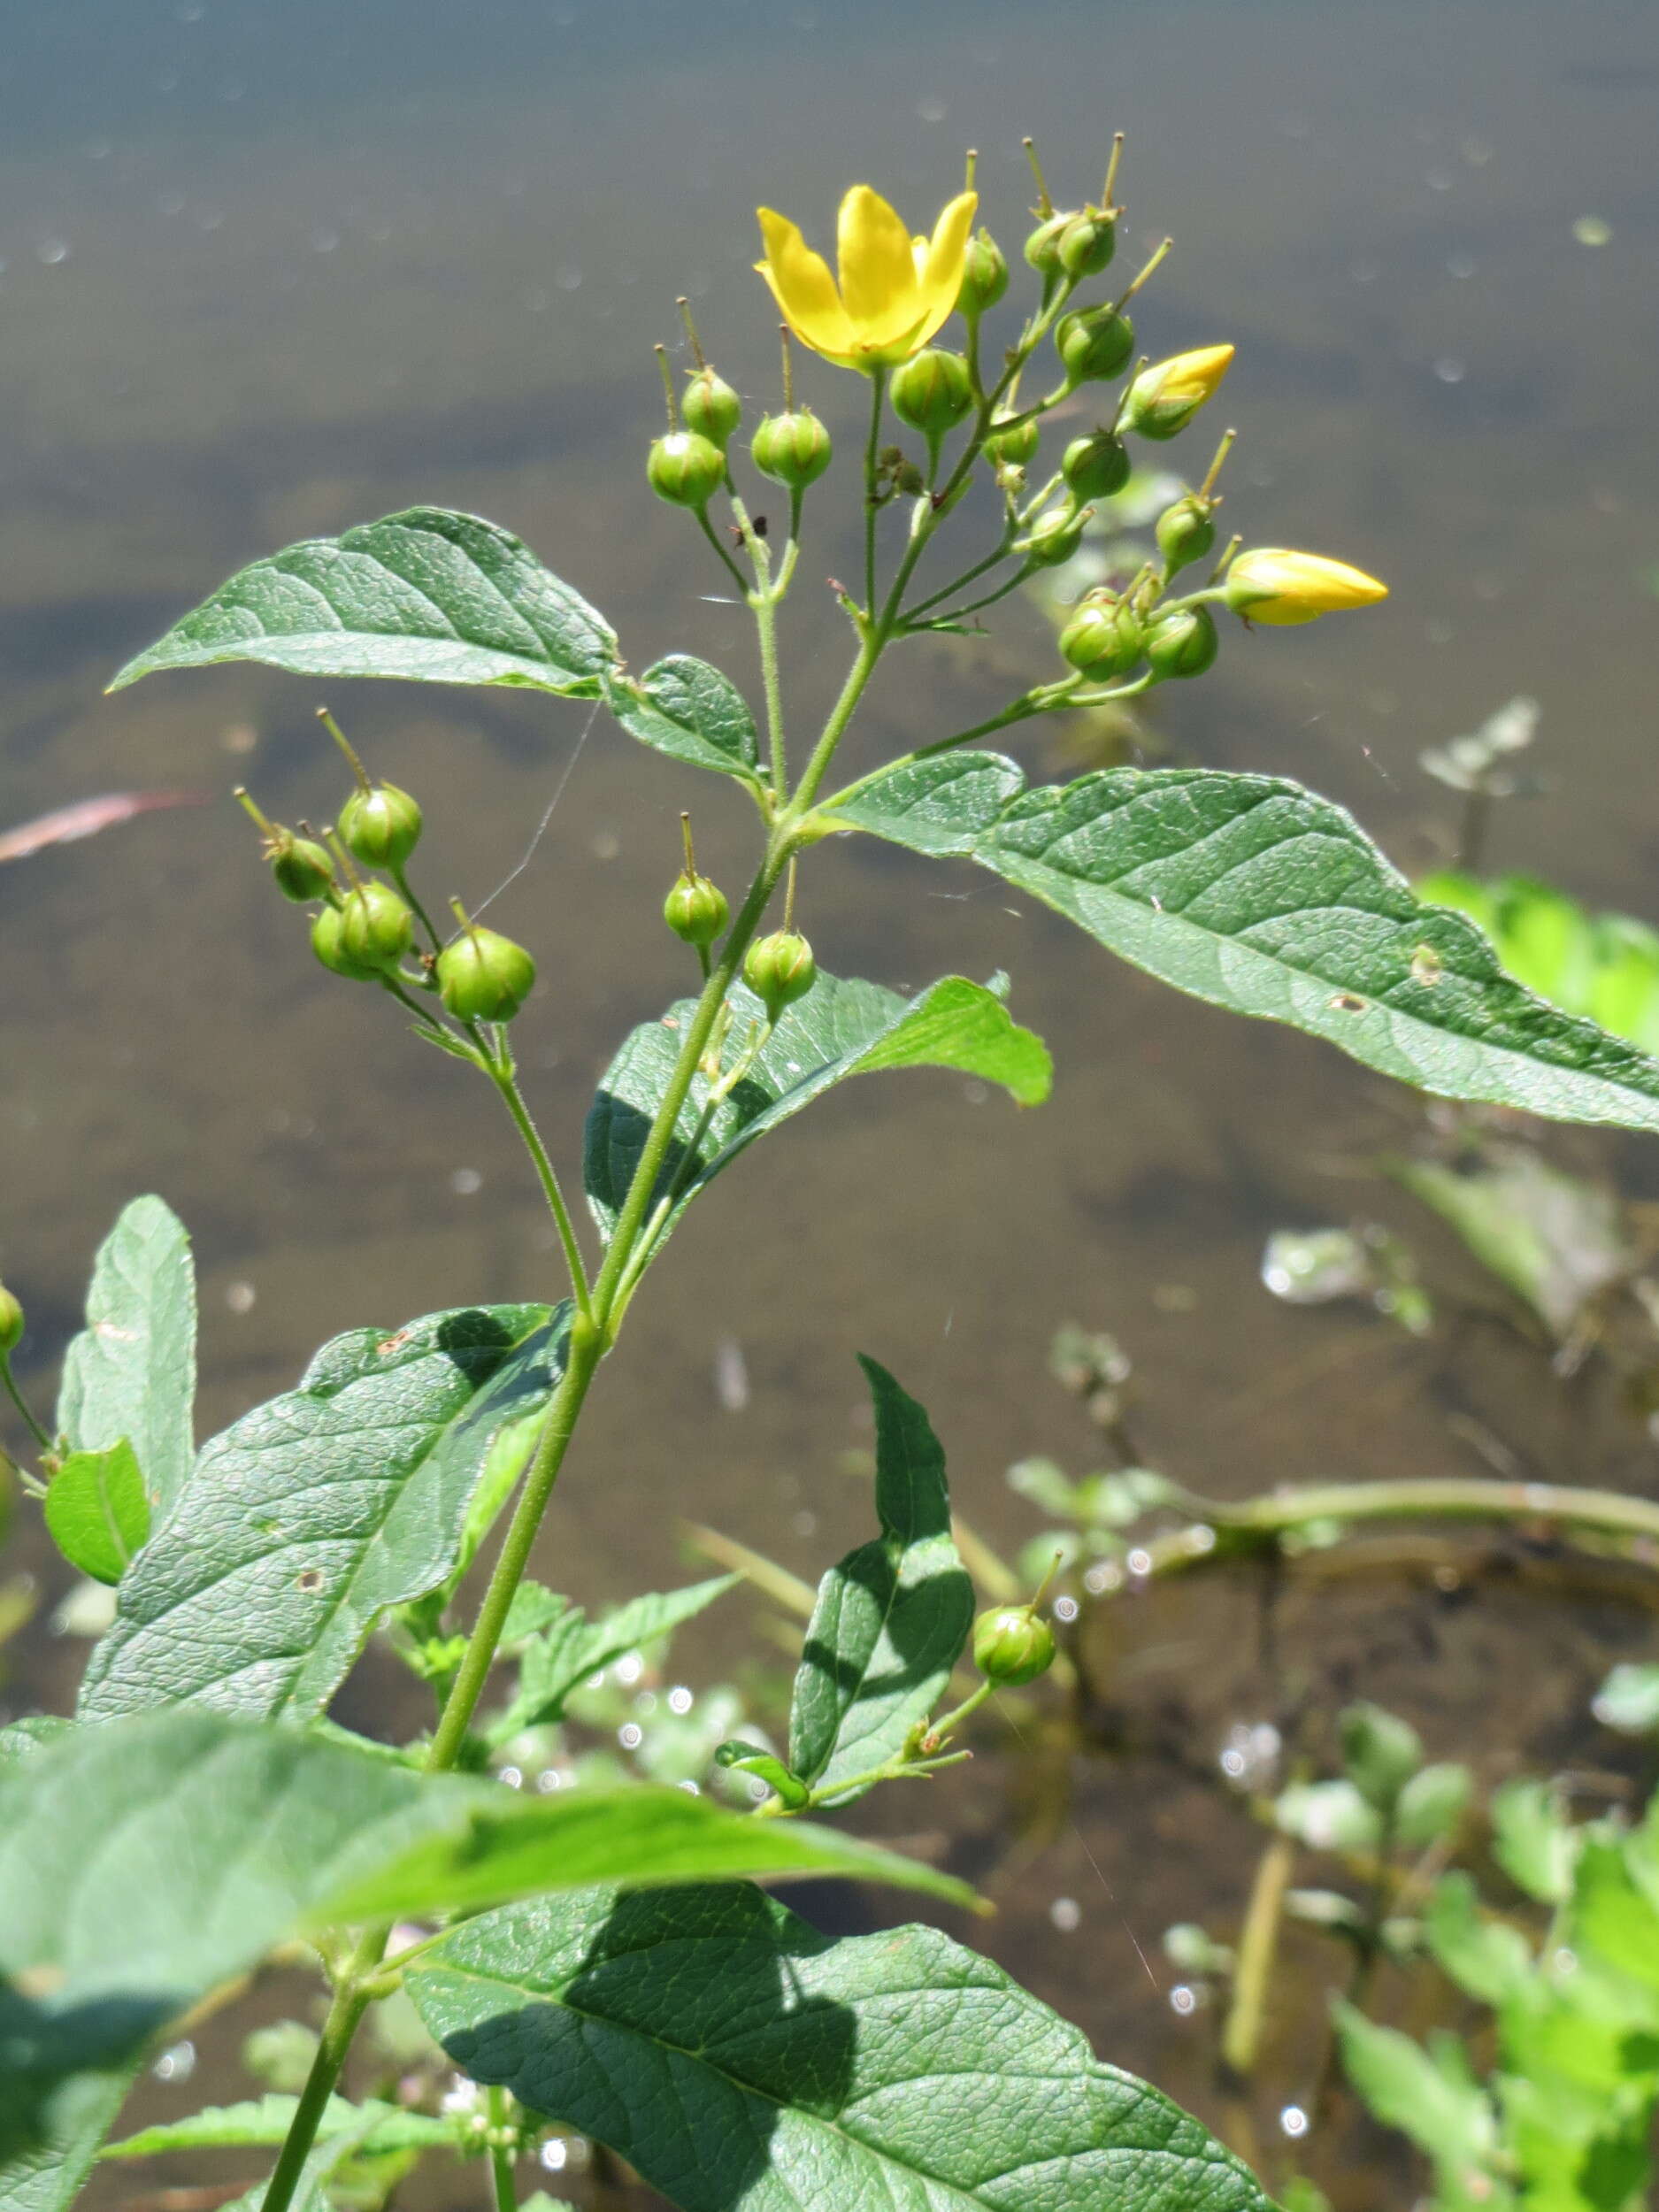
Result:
pixel 690 462
pixel 364 928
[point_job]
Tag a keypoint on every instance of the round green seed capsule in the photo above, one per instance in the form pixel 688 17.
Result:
pixel 932 391
pixel 984 275
pixel 794 449
pixel 301 870
pixel 10 1322
pixel 778 970
pixel 1013 449
pixel 1095 343
pixel 381 827
pixel 328 943
pixel 685 468
pixel 1087 244
pixel 1103 639
pixel 1043 248
pixel 484 977
pixel 1096 467
pixel 1054 537
pixel 1186 533
pixel 376 926
pixel 711 407
pixel 1184 643
pixel 695 911
pixel 1011 1645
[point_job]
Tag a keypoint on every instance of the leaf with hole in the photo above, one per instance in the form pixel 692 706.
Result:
pixel 891 1617
pixel 310 1516
pixel 426 596
pixel 685 707
pixel 842 1028
pixel 744 2063
pixel 1258 896
pixel 96 1512
pixel 102 1944
pixel 131 1372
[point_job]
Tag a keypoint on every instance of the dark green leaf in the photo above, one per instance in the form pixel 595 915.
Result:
pixel 103 1941
pixel 96 1512
pixel 131 1372
pixel 426 596
pixel 839 1029
pixel 685 707
pixel 312 1514
pixel 1251 893
pixel 891 1617
pixel 743 2062
pixel 572 1647
pixel 266 2120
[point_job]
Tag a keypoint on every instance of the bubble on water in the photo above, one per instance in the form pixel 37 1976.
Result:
pixel 512 1776
pixel 553 2155
pixel 467 1182
pixel 630 1667
pixel 1183 2001
pixel 1139 1562
pixel 805 1522
pixel 1440 180
pixel 1459 265
pixel 1233 1763
pixel 932 109
pixel 1593 230
pixel 1307 1267
pixel 1199 1540
pixel 1066 1914
pixel 52 251
pixel 1293 2121
pixel 1066 1608
pixel 240 1297
pixel 548 1780
pixel 1450 370
pixel 1097 1579
pixel 177 2062
pixel 692 1789
pixel 680 1699
pixel 630 1735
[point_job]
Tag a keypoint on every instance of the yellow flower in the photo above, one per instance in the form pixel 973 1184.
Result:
pixel 1164 398
pixel 895 291
pixel 1272 584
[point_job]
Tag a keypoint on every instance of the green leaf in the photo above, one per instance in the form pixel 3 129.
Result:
pixel 743 2062
pixel 685 707
pixel 308 1516
pixel 23 1739
pixel 1613 1916
pixel 840 1029
pixel 426 596
pixel 131 1372
pixel 1532 1840
pixel 1401 2085
pixel 266 2120
pixel 1488 1957
pixel 570 1648
pixel 102 1941
pixel 96 1512
pixel 1251 893
pixel 64 2132
pixel 891 1617
pixel 1628 1700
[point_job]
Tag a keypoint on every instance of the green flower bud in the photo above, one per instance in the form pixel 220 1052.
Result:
pixel 1096 467
pixel 1163 398
pixel 484 977
pixel 379 825
pixel 1103 638
pixel 1054 537
pixel 778 970
pixel 932 391
pixel 376 926
pixel 695 910
pixel 1043 248
pixel 793 449
pixel 1012 448
pixel 1186 533
pixel 328 943
pixel 1184 643
pixel 1094 343
pixel 1088 243
pixel 686 468
pixel 302 869
pixel 984 275
pixel 711 407
pixel 1380 1752
pixel 11 1323
pixel 1011 1645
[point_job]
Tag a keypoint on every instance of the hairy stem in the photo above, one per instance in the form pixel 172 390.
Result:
pixel 506 1083
pixel 873 449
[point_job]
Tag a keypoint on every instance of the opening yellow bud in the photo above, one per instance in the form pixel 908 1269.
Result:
pixel 1275 585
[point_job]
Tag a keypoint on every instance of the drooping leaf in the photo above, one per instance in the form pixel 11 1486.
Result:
pixel 96 1512
pixel 131 1372
pixel 143 1863
pixel 570 1648
pixel 312 1514
pixel 685 707
pixel 840 1028
pixel 426 596
pixel 891 1617
pixel 1253 894
pixel 743 2062
pixel 265 2120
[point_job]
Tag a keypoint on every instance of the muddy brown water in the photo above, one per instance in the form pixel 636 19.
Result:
pixel 269 272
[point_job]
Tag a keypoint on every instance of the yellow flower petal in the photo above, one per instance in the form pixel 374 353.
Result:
pixel 876 272
pixel 1273 585
pixel 802 285
pixel 949 250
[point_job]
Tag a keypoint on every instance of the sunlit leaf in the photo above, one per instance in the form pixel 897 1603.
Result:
pixel 685 707
pixel 131 1372
pixel 569 1648
pixel 96 1512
